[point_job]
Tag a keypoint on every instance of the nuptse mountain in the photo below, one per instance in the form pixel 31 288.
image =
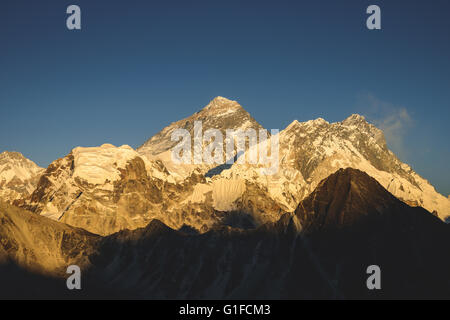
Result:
pixel 141 226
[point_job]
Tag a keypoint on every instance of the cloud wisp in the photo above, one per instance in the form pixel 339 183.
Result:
pixel 395 121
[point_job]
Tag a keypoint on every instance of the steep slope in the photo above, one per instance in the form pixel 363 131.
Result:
pixel 311 151
pixel 101 189
pixel 255 196
pixel 35 253
pixel 41 245
pixel 157 262
pixel 322 251
pixel 358 144
pixel 18 176
pixel 220 113
pixel 350 222
pixel 347 197
pixel 106 189
pixel 347 224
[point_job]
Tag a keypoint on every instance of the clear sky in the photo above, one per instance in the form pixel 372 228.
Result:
pixel 136 66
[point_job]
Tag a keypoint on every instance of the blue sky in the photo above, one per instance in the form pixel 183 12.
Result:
pixel 136 66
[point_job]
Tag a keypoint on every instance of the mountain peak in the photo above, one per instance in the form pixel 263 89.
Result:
pixel 17 158
pixel 18 176
pixel 343 198
pixel 352 180
pixel 311 123
pixel 220 113
pixel 318 121
pixel 222 99
pixel 99 164
pixel 293 124
pixel 222 103
pixel 12 155
pixel 354 119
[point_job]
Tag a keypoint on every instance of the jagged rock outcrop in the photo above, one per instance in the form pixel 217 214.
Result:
pixel 18 176
pixel 221 113
pixel 106 189
pixel 41 245
pixel 311 151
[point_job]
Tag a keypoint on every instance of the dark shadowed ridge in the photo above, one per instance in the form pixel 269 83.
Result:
pixel 321 252
pixel 349 196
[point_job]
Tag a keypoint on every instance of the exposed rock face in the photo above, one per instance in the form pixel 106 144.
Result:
pixel 220 113
pixel 202 232
pixel 353 221
pixel 41 245
pixel 344 199
pixel 311 151
pixel 322 251
pixel 104 189
pixel 18 176
pixel 34 255
pixel 107 189
pixel 358 144
pixel 347 224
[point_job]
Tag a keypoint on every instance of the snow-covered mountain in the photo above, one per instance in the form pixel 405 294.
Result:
pixel 220 113
pixel 311 226
pixel 311 151
pixel 106 189
pixel 101 189
pixel 18 176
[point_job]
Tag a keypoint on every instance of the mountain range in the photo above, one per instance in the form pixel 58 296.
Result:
pixel 142 226
pixel 318 252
